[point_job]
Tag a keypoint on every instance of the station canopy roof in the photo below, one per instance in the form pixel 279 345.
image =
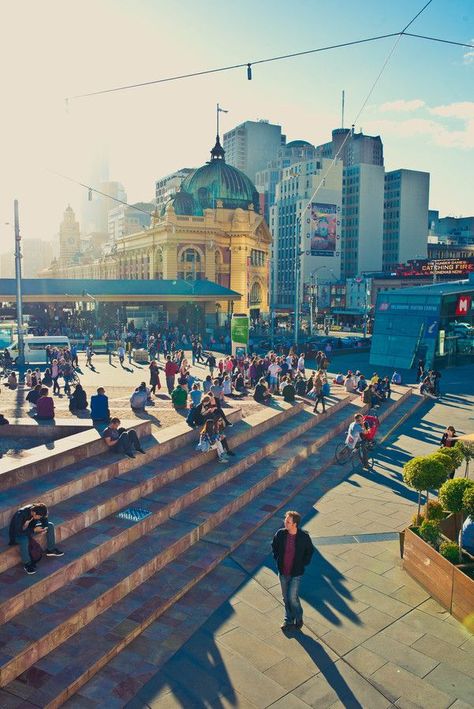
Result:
pixel 69 290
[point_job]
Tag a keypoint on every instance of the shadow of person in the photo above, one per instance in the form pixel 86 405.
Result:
pixel 328 668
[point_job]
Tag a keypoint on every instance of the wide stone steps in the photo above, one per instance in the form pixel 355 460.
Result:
pixel 109 633
pixel 144 551
pixel 93 536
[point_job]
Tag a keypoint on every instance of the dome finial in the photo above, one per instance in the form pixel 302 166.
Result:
pixel 218 152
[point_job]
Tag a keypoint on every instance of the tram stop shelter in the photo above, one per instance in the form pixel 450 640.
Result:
pixel 201 303
pixel 433 323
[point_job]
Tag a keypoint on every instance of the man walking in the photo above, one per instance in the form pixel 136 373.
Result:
pixel 292 549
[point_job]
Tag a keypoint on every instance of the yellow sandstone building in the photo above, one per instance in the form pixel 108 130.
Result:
pixel 210 230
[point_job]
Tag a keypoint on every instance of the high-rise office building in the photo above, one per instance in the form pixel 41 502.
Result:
pixel 305 222
pixel 362 219
pixel 250 146
pixel 453 231
pixel 405 224
pixel 267 179
pixel 167 187
pixel 125 220
pixel 353 148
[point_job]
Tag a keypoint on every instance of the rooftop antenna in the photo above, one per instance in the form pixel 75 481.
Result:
pixel 342 108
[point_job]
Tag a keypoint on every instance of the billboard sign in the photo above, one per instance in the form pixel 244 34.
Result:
pixel 239 329
pixel 323 229
pixel 449 267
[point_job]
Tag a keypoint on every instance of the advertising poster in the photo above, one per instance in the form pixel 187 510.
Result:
pixel 323 229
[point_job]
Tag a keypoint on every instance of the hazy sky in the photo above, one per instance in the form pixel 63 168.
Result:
pixel 423 106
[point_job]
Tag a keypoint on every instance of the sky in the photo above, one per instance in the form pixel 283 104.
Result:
pixel 422 105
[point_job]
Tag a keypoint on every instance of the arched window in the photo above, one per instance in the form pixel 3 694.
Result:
pixel 256 294
pixel 190 265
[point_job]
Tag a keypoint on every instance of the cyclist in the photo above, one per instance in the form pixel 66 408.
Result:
pixel 355 438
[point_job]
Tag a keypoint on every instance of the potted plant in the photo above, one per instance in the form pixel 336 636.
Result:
pixel 467 450
pixel 451 495
pixel 423 474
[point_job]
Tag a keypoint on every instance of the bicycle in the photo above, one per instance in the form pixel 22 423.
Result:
pixel 344 453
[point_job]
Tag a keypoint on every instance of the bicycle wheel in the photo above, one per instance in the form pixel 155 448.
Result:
pixel 342 453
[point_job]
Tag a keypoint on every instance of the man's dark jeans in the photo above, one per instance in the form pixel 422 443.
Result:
pixel 127 442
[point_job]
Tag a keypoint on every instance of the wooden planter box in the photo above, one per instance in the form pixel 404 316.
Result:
pixel 450 586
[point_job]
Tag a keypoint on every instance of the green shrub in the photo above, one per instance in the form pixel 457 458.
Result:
pixel 429 531
pixel 450 551
pixel 447 461
pixel 454 454
pixel 468 501
pixel 424 473
pixel 467 450
pixel 452 491
pixel 433 510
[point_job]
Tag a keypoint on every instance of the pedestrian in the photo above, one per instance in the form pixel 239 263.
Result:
pixel 119 440
pixel 27 523
pixel 318 387
pixel 121 354
pixel 448 437
pixel 171 370
pixel 211 363
pixel 292 549
pixel 154 376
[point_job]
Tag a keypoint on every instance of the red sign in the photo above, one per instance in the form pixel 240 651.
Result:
pixel 463 306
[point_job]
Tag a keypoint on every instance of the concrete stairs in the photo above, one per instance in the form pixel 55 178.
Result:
pixel 62 626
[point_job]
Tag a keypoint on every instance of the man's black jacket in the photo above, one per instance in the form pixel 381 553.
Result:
pixel 19 519
pixel 303 550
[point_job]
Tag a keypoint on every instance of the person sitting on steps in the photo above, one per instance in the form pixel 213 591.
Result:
pixel 27 522
pixel 120 440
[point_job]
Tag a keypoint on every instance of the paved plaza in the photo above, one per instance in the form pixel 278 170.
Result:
pixel 372 636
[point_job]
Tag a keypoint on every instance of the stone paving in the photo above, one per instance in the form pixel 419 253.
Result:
pixel 373 637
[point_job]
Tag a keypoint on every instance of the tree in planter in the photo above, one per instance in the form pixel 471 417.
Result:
pixel 467 450
pixel 453 458
pixel 451 496
pixel 429 531
pixel 468 507
pixel 422 474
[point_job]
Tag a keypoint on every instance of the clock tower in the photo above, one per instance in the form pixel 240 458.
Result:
pixel 69 237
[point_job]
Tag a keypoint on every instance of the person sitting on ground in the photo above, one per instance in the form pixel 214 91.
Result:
pixel 179 397
pixel 12 381
pixel 288 390
pixel 3 420
pixel 44 406
pixel 30 521
pixel 139 398
pixel 375 378
pixel 239 385
pixel 370 398
pixel 426 388
pixel 349 383
pixel 78 400
pixel 227 386
pixel 119 440
pixel 300 385
pixel 198 414
pixel 195 395
pixel 261 394
pixel 396 378
pixel 219 427
pixel 33 395
pixel 47 378
pixel 207 384
pixel 339 378
pixel 100 406
pixel 362 383
pixel 28 376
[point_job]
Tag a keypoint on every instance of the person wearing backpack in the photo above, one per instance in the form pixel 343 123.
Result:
pixel 27 523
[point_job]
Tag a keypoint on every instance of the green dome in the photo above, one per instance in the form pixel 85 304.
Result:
pixel 212 182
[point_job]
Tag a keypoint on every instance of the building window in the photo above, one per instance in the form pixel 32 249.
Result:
pixel 255 294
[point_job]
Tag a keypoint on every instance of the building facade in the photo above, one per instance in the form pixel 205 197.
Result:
pixel 353 148
pixel 69 238
pixel 124 220
pixel 405 233
pixel 210 230
pixel 166 187
pixel 250 146
pixel 305 223
pixel 452 231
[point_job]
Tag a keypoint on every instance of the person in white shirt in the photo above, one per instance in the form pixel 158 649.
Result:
pixel 349 383
pixel 355 438
pixel 274 370
pixel 301 363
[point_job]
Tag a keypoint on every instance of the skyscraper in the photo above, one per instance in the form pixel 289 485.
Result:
pixel 405 226
pixel 250 146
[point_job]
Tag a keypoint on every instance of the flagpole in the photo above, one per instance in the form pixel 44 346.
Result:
pixel 218 111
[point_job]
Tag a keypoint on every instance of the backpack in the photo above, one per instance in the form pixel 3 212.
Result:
pixel 35 550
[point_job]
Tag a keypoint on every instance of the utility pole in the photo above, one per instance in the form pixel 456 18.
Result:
pixel 19 301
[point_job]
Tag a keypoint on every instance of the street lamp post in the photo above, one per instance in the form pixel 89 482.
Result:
pixel 366 305
pixel 19 301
